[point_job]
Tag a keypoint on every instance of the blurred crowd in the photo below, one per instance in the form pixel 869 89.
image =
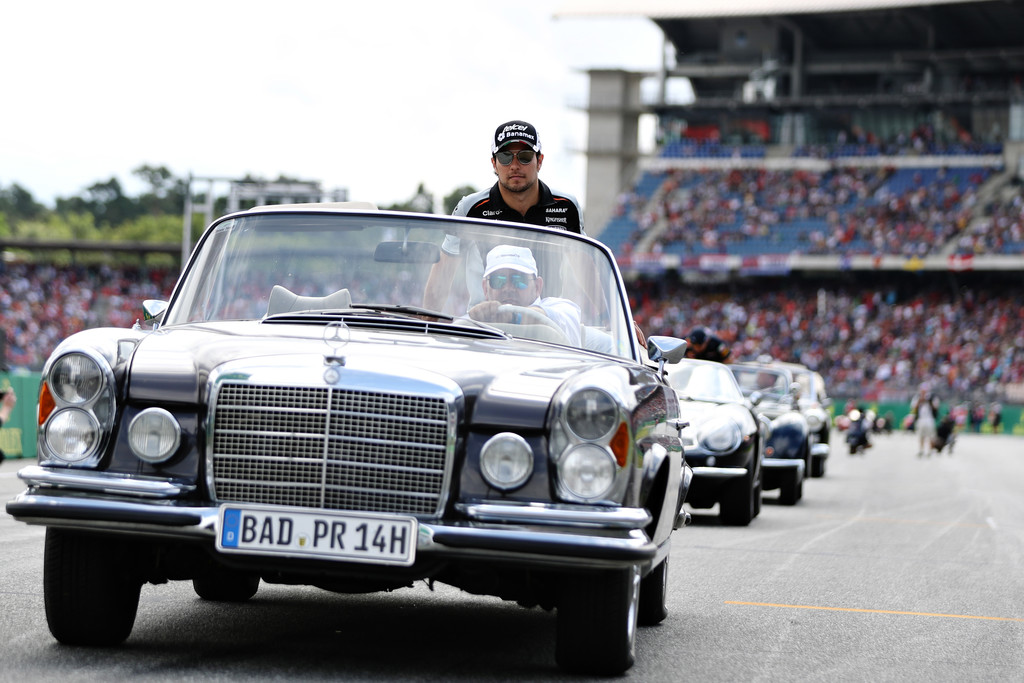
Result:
pixel 40 305
pixel 877 344
pixel 874 343
pixel 856 210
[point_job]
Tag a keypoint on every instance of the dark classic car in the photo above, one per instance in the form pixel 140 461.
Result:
pixel 814 403
pixel 723 442
pixel 787 454
pixel 294 414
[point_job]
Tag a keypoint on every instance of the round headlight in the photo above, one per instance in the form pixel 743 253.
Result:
pixel 591 414
pixel 72 435
pixel 154 435
pixel 76 379
pixel 815 420
pixel 587 471
pixel 506 461
pixel 721 435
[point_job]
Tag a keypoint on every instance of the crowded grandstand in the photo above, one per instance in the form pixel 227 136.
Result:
pixel 864 217
pixel 842 189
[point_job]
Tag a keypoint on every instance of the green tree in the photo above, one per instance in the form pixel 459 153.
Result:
pixel 451 200
pixel 422 202
pixel 166 193
pixel 75 226
pixel 110 205
pixel 148 228
pixel 17 203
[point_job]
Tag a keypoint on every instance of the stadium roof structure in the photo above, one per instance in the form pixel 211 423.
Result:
pixel 841 53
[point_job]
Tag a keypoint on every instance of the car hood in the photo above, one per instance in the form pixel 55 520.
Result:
pixel 698 412
pixel 176 364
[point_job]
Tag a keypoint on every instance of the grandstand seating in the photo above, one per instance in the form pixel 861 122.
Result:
pixel 907 210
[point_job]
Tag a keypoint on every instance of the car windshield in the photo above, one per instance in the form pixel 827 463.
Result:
pixel 773 384
pixel 260 264
pixel 804 379
pixel 704 382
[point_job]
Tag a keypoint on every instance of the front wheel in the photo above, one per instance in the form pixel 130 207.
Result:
pixel 653 594
pixel 90 594
pixel 818 466
pixel 738 506
pixel 597 615
pixel 792 491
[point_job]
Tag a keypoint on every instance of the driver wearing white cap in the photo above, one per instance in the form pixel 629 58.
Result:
pixel 512 289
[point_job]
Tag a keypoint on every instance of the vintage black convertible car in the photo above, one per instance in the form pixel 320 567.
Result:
pixel 772 392
pixel 295 414
pixel 723 441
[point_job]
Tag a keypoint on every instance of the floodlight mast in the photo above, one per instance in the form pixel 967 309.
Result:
pixel 239 191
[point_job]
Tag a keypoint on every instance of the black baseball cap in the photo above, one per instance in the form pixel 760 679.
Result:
pixel 516 131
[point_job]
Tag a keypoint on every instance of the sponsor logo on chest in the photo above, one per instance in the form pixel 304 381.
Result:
pixel 558 216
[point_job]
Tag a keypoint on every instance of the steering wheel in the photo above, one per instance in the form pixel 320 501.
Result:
pixel 544 328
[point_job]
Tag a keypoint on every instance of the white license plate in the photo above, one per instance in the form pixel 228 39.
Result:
pixel 292 532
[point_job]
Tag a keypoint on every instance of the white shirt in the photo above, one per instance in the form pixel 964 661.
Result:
pixel 564 313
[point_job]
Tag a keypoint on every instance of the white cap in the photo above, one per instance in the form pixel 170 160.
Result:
pixel 515 258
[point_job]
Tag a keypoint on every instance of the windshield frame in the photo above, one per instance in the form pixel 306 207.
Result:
pixel 230 248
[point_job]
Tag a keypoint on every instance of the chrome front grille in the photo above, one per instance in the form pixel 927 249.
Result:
pixel 329 448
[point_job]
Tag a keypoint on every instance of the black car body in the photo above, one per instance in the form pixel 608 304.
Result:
pixel 813 401
pixel 787 455
pixel 723 441
pixel 295 416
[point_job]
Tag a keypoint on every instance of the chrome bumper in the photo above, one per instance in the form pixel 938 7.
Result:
pixel 784 464
pixel 719 472
pixel 540 534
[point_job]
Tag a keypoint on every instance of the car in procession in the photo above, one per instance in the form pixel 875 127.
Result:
pixel 813 401
pixel 723 441
pixel 295 414
pixel 771 392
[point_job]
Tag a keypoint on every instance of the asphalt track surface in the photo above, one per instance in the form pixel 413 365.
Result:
pixel 891 568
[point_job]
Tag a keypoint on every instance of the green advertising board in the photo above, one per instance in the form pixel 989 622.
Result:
pixel 1012 422
pixel 18 435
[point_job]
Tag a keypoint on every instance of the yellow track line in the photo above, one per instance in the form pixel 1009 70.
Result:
pixel 871 611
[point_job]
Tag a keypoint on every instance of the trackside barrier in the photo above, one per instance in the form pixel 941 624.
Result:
pixel 1012 423
pixel 18 435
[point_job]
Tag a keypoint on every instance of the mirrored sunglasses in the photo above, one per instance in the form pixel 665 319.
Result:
pixel 525 156
pixel 517 280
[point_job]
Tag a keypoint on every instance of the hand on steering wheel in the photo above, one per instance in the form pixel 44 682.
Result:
pixel 524 315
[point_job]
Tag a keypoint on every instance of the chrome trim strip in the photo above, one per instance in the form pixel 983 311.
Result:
pixel 820 449
pixel 105 482
pixel 719 472
pixel 542 513
pixel 783 463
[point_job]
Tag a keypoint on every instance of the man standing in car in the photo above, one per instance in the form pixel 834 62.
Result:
pixel 518 196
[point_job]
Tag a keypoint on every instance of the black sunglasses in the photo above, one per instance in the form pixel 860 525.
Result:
pixel 505 158
pixel 518 280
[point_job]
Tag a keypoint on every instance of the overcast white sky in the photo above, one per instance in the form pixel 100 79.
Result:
pixel 375 96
